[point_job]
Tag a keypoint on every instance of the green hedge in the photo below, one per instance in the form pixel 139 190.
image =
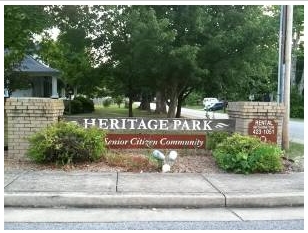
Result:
pixel 76 107
pixel 107 102
pixel 246 154
pixel 79 104
pixel 66 143
pixel 87 104
pixel 214 138
pixel 296 104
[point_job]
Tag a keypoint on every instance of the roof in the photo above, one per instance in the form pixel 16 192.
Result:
pixel 34 68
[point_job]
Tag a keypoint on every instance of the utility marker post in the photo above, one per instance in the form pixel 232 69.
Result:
pixel 287 58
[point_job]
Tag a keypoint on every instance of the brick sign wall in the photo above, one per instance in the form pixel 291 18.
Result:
pixel 127 133
pixel 261 119
pixel 27 116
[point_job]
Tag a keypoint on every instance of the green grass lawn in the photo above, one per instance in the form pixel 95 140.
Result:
pixel 295 150
pixel 110 111
pixel 115 111
pixel 297 119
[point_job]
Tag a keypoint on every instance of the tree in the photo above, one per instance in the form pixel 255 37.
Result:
pixel 216 48
pixel 297 75
pixel 239 50
pixel 170 51
pixel 136 39
pixel 180 68
pixel 21 23
pixel 71 58
pixel 123 55
pixel 71 52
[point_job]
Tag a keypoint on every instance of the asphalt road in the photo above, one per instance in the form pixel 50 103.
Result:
pixel 247 225
pixel 195 113
pixel 274 218
pixel 296 131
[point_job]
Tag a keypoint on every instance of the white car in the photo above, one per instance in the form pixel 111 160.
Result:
pixel 207 102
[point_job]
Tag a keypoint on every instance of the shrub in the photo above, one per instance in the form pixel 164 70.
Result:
pixel 193 99
pixel 79 105
pixel 119 100
pixel 297 111
pixel 87 104
pixel 107 101
pixel 266 158
pixel 66 143
pixel 76 106
pixel 296 104
pixel 214 138
pixel 246 154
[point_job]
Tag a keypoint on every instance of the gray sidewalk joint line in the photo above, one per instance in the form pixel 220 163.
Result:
pixel 216 189
pixel 15 178
pixel 233 212
pixel 117 182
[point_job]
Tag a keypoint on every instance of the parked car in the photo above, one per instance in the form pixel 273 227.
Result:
pixel 207 102
pixel 215 106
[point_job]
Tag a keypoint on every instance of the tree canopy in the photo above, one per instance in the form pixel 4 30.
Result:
pixel 21 24
pixel 166 50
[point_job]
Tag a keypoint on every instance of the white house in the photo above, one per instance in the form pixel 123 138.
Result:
pixel 42 80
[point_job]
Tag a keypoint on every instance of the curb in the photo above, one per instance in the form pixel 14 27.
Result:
pixel 112 200
pixel 244 200
pixel 264 200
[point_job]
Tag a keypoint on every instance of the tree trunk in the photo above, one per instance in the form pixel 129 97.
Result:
pixel 145 102
pixel 130 97
pixel 75 91
pixel 295 46
pixel 293 70
pixel 160 103
pixel 130 105
pixel 179 108
pixel 173 104
pixel 301 85
pixel 182 96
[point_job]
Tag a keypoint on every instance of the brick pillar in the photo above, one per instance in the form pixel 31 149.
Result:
pixel 25 117
pixel 245 112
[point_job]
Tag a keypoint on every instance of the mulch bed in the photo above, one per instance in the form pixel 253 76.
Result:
pixel 188 161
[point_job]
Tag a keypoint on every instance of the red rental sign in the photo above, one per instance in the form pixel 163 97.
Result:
pixel 265 129
pixel 157 141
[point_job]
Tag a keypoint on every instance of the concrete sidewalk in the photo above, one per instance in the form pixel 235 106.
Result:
pixel 94 189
